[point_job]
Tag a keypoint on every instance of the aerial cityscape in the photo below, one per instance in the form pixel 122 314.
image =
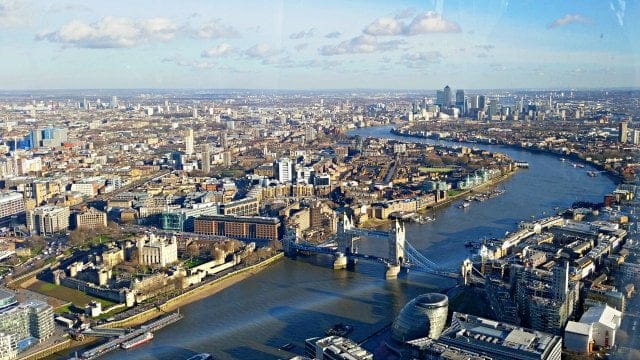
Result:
pixel 335 180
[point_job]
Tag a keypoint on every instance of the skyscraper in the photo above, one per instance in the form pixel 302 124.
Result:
pixel 622 129
pixel 206 159
pixel 460 101
pixel 114 102
pixel 440 98
pixel 188 142
pixel 447 96
pixel 482 102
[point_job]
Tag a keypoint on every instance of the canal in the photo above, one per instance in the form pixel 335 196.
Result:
pixel 297 299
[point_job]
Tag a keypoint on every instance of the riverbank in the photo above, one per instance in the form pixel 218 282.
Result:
pixel 188 297
pixel 383 223
pixel 195 294
pixel 617 178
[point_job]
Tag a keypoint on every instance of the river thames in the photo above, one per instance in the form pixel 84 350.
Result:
pixel 297 299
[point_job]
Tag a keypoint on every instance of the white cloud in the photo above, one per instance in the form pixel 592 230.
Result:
pixel 216 30
pixel 431 22
pixel 261 51
pixel 218 51
pixel 333 35
pixel 300 47
pixel 428 22
pixel 112 32
pixel 194 65
pixel 304 34
pixel 363 44
pixel 12 13
pixel 422 59
pixel 384 26
pixel 569 19
pixel 619 9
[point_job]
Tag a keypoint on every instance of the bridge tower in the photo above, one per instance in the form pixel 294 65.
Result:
pixel 397 256
pixel 345 239
pixel 289 240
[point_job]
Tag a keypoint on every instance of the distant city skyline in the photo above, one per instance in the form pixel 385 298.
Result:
pixel 328 45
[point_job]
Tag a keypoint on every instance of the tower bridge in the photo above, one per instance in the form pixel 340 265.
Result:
pixel 400 255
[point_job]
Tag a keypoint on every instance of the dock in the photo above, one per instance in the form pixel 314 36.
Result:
pixel 115 343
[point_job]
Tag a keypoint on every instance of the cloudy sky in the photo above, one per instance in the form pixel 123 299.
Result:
pixel 319 44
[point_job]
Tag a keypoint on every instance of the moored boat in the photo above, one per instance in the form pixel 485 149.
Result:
pixel 136 341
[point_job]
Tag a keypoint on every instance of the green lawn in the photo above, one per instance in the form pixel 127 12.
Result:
pixel 191 263
pixel 63 309
pixel 76 297
pixel 452 193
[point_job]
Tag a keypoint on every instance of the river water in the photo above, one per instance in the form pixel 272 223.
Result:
pixel 296 299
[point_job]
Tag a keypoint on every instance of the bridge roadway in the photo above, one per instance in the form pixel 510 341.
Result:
pixel 417 261
pixel 114 344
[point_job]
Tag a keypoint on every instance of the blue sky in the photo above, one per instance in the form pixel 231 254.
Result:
pixel 319 44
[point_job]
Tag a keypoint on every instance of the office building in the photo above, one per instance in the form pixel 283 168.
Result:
pixel 461 101
pixel 188 142
pixel 41 319
pixel 114 102
pixel 239 227
pixel 545 298
pixel 440 98
pixel 90 218
pixel 483 338
pixel 635 140
pixel 448 96
pixel 7 299
pixel 206 159
pixel 482 102
pixel 335 348
pixel 284 170
pixel 622 131
pixel 423 316
pixel 11 207
pixel 48 219
pixel 597 326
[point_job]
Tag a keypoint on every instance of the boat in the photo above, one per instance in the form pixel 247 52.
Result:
pixel 287 346
pixel 563 159
pixel 580 166
pixel 464 205
pixel 201 356
pixel 339 329
pixel 138 340
pixel 592 173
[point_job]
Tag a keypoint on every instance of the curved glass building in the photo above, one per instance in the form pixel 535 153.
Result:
pixel 7 299
pixel 424 316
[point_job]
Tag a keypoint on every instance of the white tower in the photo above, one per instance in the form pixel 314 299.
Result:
pixel 188 142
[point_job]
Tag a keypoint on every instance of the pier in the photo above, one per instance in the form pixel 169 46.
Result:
pixel 114 344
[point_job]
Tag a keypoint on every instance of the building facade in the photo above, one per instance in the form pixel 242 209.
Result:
pixel 48 219
pixel 240 227
pixel 90 219
pixel 11 204
pixel 157 251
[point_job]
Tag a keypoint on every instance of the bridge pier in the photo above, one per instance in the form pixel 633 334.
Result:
pixel 339 261
pixel 392 271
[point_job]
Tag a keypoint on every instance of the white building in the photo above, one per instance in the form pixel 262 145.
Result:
pixel 157 251
pixel 578 337
pixel 85 188
pixel 284 170
pixel 188 142
pixel 605 321
pixel 11 203
pixel 48 219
